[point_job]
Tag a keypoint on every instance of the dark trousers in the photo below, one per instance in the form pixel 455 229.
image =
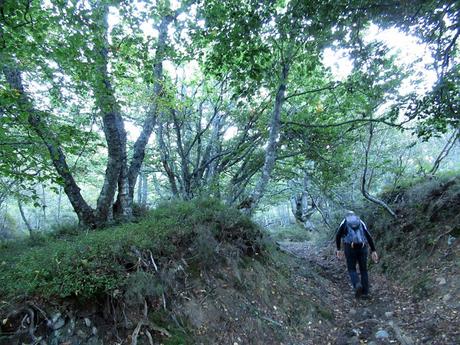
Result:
pixel 357 256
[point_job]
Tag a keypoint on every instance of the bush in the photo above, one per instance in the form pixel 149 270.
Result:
pixel 96 263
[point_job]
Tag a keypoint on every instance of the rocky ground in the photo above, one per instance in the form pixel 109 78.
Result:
pixel 391 316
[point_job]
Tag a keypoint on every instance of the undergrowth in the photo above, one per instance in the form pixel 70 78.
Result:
pixel 292 232
pixel 96 263
pixel 425 233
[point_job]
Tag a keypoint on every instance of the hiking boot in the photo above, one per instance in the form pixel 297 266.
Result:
pixel 358 290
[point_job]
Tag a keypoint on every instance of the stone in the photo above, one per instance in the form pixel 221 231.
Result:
pixel 71 326
pixel 74 341
pixel 55 316
pixel 56 322
pixel 53 341
pixel 446 297
pixel 366 313
pixel 389 314
pixel 94 341
pixel 342 340
pixel 59 324
pixel 87 322
pixel 352 311
pixel 354 341
pixel 382 334
pixel 441 280
pixel 82 334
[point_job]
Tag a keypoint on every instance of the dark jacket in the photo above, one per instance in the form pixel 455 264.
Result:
pixel 342 231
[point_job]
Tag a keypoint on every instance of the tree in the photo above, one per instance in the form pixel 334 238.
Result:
pixel 78 47
pixel 258 111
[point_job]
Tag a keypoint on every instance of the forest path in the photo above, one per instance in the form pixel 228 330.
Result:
pixel 390 316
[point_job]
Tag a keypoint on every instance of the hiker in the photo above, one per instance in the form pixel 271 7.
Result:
pixel 356 239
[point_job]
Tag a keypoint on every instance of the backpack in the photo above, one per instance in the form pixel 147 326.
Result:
pixel 355 230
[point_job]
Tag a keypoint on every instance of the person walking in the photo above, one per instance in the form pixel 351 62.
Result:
pixel 356 239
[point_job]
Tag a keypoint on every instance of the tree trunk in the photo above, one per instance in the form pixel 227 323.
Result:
pixel 156 186
pixel 214 148
pixel 59 206
pixel 84 212
pixel 164 157
pixel 139 188
pixel 152 115
pixel 24 219
pixel 184 155
pixel 251 202
pixel 144 190
pixel 44 206
pixel 301 210
pixel 117 169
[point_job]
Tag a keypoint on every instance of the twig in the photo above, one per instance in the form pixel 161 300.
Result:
pixel 445 151
pixel 136 332
pixel 30 315
pixel 146 311
pixel 40 310
pixel 149 336
pixel 178 324
pixel 271 321
pixel 153 261
pixel 438 238
pixel 148 324
pixel 164 301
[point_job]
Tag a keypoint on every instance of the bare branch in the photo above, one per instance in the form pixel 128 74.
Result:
pixel 445 151
pixel 363 180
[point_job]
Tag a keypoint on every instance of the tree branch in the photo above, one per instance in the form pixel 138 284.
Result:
pixel 332 86
pixel 445 151
pixel 344 123
pixel 363 180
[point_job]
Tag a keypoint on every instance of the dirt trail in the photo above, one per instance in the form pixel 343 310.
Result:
pixel 390 316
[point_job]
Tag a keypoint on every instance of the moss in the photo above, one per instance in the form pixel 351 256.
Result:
pixel 178 339
pixel 177 336
pixel 324 313
pixel 422 286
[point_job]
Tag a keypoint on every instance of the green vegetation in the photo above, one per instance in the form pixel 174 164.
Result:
pixel 293 232
pixel 289 112
pixel 88 265
pixel 424 236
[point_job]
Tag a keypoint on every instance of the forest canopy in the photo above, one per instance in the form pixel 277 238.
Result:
pixel 100 100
